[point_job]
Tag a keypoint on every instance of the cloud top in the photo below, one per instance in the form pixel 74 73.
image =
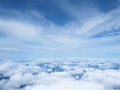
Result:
pixel 59 75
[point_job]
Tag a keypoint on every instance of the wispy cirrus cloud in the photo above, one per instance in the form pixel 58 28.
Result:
pixel 32 32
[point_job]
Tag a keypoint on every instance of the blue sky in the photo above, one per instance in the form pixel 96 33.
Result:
pixel 60 28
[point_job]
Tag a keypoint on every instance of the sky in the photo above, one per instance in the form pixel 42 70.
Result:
pixel 60 28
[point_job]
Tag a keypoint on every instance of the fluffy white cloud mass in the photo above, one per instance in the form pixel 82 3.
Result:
pixel 60 75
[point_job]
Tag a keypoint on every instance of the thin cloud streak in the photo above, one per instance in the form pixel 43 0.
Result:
pixel 47 36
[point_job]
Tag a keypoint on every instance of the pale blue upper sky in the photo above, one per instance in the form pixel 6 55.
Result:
pixel 60 28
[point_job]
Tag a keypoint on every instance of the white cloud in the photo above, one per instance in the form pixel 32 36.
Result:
pixel 22 30
pixel 69 85
pixel 94 25
pixel 31 35
pixel 79 75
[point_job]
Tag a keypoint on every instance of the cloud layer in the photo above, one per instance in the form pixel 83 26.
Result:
pixel 59 75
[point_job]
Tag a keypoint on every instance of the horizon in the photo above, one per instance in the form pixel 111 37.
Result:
pixel 59 44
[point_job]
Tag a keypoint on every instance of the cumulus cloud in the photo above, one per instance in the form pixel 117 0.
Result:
pixel 60 75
